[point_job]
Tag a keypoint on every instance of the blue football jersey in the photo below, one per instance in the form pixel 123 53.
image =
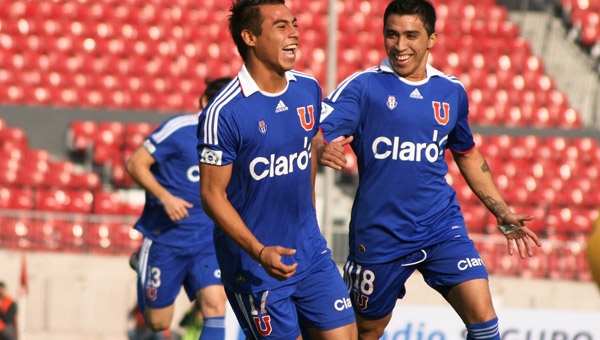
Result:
pixel 267 139
pixel 401 130
pixel 173 146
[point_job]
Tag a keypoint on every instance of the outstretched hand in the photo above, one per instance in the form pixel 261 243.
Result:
pixel 332 154
pixel 522 239
pixel 270 259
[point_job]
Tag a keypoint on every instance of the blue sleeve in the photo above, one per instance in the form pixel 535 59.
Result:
pixel 161 147
pixel 461 138
pixel 341 110
pixel 218 138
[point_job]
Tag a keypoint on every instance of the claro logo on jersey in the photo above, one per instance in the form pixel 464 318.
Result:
pixel 280 165
pixel 385 147
pixel 467 263
pixel 193 173
pixel 342 303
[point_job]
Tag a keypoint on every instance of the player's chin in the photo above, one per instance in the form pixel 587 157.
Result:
pixel 288 60
pixel 288 65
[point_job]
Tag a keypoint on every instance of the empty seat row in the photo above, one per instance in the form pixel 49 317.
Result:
pixel 54 233
pixel 569 222
pixel 555 260
pixel 67 201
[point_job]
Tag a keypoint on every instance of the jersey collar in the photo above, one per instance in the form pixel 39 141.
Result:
pixel 385 66
pixel 249 86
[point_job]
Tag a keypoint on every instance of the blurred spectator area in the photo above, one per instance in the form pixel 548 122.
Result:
pixel 157 55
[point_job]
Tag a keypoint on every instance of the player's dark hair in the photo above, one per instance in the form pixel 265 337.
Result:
pixel 245 15
pixel 213 87
pixel 422 8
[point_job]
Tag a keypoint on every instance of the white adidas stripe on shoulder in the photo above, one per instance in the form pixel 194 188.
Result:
pixel 174 125
pixel 302 74
pixel 452 79
pixel 212 114
pixel 336 93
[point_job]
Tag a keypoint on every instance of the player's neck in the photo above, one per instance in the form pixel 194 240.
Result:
pixel 267 79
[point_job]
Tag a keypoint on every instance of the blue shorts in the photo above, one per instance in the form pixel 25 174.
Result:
pixel 162 270
pixel 318 301
pixel 374 288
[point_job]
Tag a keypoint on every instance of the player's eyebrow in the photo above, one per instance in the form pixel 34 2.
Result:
pixel 285 21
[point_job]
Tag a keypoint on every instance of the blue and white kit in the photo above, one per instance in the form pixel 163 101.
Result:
pixel 182 252
pixel 267 139
pixel 405 216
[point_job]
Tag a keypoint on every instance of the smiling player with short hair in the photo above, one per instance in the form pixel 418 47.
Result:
pixel 257 184
pixel 400 117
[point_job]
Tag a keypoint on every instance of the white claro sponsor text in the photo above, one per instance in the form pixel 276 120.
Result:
pixel 280 165
pixel 343 303
pixel 193 173
pixel 385 147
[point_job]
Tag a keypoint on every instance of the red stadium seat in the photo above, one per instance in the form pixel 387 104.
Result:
pixel 534 267
pixel 100 236
pixel 475 217
pixel 107 203
pixel 29 177
pixel 539 212
pixel 57 178
pixel 80 135
pixel 120 176
pixel 15 135
pixel 85 181
pixel 17 232
pixel 506 264
pixel 80 201
pixel 127 239
pixel 50 200
pixel 73 235
pixel 107 155
pixel 559 265
pixel 16 198
pixel 569 119
pixel 45 234
pixel 585 144
pixel 110 133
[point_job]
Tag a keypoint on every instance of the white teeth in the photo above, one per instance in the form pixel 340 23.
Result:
pixel 290 47
pixel 403 57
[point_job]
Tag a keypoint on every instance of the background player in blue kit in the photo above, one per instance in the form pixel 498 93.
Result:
pixel 399 118
pixel 178 236
pixel 257 182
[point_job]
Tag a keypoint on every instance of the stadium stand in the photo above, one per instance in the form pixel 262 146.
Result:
pixel 583 20
pixel 139 55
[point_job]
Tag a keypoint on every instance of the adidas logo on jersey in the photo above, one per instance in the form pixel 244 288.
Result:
pixel 416 94
pixel 281 107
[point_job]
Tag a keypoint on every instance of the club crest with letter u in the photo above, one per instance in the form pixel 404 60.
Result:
pixel 307 117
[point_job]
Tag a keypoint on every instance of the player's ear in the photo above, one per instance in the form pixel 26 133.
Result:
pixel 432 40
pixel 249 37
pixel 203 102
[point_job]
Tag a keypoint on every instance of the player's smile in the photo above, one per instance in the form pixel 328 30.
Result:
pixel 403 58
pixel 290 51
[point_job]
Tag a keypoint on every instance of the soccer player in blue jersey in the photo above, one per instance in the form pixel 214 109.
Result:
pixel 399 118
pixel 257 184
pixel 177 249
